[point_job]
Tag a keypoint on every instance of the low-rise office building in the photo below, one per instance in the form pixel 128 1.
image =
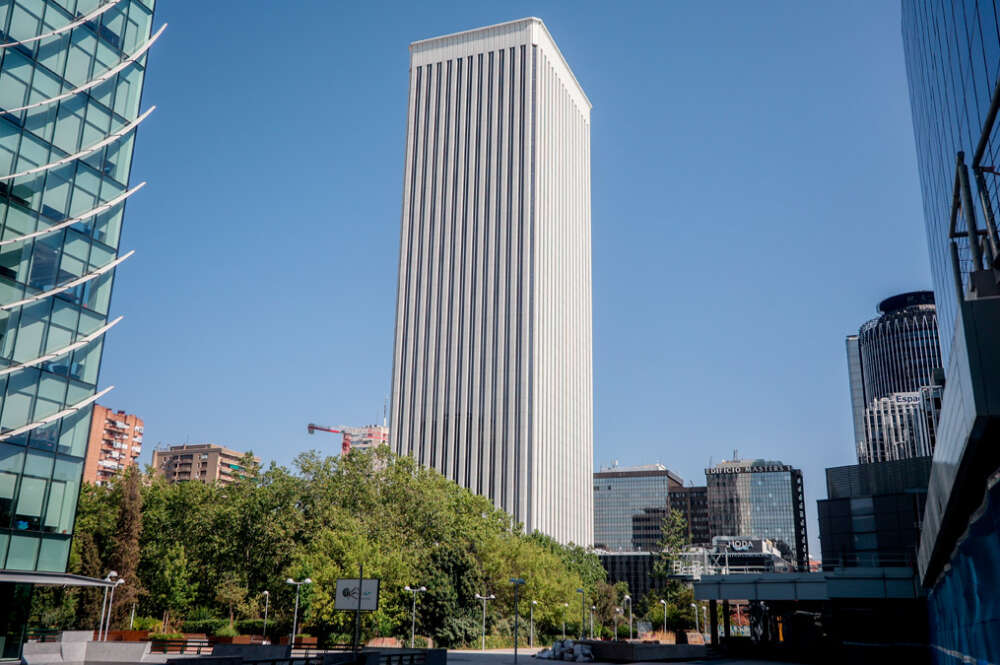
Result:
pixel 634 568
pixel 626 499
pixel 873 513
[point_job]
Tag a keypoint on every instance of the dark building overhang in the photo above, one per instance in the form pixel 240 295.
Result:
pixel 869 583
pixel 967 452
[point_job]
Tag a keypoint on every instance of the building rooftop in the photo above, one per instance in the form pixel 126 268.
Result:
pixel 489 31
pixel 904 300
pixel 638 470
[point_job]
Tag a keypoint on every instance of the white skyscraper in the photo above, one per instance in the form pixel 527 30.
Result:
pixel 492 375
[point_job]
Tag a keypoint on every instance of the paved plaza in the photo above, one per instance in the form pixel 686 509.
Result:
pixel 524 657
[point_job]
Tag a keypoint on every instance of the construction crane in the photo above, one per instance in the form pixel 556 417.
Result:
pixel 345 446
pixel 349 434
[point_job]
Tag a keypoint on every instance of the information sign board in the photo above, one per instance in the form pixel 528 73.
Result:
pixel 348 592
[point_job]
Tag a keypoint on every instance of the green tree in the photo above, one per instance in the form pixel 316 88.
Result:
pixel 89 608
pixel 173 592
pixel 126 551
pixel 674 540
pixel 230 593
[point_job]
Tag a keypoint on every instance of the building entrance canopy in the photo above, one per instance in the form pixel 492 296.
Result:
pixel 50 579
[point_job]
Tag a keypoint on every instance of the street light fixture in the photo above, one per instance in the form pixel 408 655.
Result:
pixel 583 598
pixel 100 627
pixel 111 602
pixel 295 616
pixel 517 582
pixel 484 599
pixel 664 603
pixel 267 603
pixel 628 599
pixel 695 618
pixel 413 616
pixel 531 614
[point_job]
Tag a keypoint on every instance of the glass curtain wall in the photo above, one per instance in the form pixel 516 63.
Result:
pixel 69 102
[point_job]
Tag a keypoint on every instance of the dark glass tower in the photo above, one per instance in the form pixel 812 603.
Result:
pixel 953 66
pixel 760 499
pixel 952 55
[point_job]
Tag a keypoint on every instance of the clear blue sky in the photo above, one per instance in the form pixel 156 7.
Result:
pixel 754 195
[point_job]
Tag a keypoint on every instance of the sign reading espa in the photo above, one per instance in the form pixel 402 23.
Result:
pixel 348 592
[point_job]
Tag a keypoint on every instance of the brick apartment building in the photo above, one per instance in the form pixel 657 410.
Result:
pixel 115 444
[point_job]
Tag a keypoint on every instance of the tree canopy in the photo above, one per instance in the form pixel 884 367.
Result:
pixel 207 552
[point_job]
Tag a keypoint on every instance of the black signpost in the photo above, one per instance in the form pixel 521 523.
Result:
pixel 516 581
pixel 357 612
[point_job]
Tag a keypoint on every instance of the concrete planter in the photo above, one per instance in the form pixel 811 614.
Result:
pixel 302 642
pixel 238 639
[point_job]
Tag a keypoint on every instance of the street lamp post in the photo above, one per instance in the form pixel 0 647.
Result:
pixel 664 603
pixel 628 599
pixel 696 629
pixel 618 612
pixel 565 607
pixel 267 603
pixel 517 582
pixel 104 603
pixel 295 616
pixel 704 624
pixel 413 615
pixel 592 608
pixel 111 602
pixel 583 612
pixel 531 614
pixel 484 599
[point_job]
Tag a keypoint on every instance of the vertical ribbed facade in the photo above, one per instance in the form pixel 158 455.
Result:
pixel 492 371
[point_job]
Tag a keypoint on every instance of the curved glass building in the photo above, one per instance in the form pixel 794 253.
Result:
pixel 900 348
pixel 890 361
pixel 71 75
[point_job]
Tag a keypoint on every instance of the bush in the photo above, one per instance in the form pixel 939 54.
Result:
pixel 166 636
pixel 227 631
pixel 207 626
pixel 252 626
pixel 146 623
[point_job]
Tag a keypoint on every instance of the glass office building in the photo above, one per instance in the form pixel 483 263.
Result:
pixel 952 53
pixel 759 499
pixel 71 78
pixel 626 504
